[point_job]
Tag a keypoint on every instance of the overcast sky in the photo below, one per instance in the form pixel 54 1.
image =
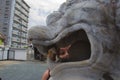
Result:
pixel 40 9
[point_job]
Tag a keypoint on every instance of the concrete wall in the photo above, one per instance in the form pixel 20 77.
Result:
pixel 20 54
pixel 13 54
pixel 3 53
pixel 30 54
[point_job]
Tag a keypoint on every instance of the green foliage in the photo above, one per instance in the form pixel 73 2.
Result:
pixel 1 42
pixel 25 47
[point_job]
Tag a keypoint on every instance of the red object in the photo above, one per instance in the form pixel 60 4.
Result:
pixel 46 75
pixel 64 52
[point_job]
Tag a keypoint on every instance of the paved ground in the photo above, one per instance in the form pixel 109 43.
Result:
pixel 21 70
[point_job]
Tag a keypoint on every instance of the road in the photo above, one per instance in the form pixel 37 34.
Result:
pixel 22 70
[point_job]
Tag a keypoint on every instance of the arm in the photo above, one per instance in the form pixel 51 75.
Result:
pixel 46 75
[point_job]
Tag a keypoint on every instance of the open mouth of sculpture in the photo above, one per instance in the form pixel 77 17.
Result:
pixel 80 46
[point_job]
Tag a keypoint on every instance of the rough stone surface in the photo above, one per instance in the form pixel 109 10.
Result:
pixel 100 20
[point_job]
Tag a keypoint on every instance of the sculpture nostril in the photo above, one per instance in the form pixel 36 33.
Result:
pixel 107 76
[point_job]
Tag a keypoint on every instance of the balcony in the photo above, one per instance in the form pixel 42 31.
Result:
pixel 22 4
pixel 15 32
pixel 15 39
pixel 24 29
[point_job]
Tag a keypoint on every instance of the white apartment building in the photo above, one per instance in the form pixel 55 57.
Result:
pixel 14 16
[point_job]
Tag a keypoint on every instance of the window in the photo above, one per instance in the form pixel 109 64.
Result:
pixel 0 12
pixel 5 23
pixel 4 27
pixel 7 2
pixel 4 30
pixel 6 7
pixel 6 14
pixel 7 11
pixel 6 17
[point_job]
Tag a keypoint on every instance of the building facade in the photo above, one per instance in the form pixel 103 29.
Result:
pixel 14 16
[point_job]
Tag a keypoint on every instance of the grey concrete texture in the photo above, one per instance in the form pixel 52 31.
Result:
pixel 100 21
pixel 23 71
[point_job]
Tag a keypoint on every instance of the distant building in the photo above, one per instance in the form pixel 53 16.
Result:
pixel 14 16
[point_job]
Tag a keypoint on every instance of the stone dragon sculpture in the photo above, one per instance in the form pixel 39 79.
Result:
pixel 92 27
